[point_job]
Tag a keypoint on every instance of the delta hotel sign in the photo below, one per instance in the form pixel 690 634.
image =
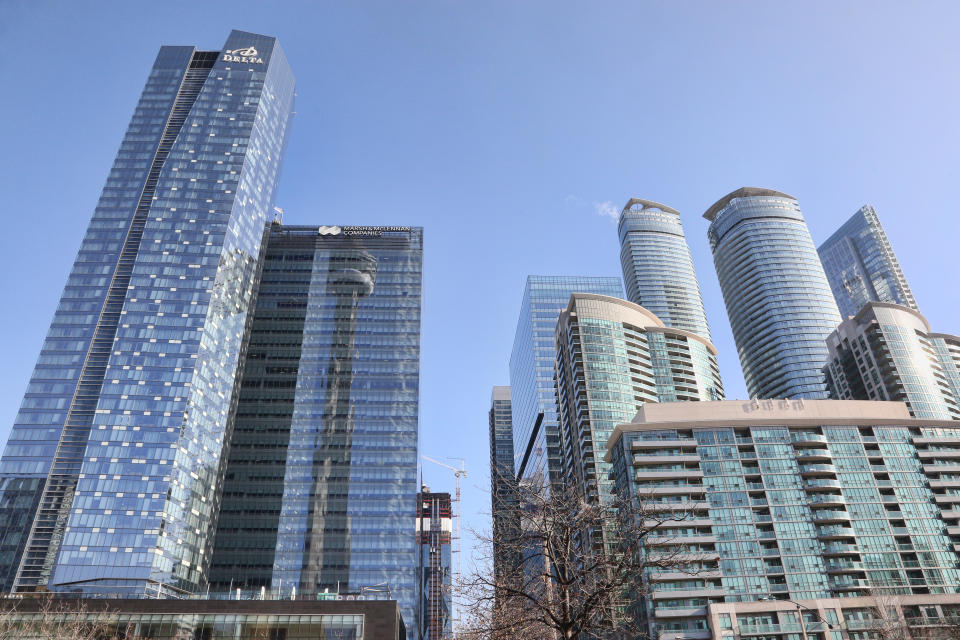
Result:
pixel 245 54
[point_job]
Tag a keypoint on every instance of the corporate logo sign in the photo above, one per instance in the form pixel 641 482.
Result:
pixel 358 231
pixel 245 54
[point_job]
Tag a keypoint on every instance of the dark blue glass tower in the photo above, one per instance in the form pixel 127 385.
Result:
pixel 321 482
pixel 112 474
pixel 861 266
pixel 503 483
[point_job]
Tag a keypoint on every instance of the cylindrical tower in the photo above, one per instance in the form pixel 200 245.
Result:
pixel 657 266
pixel 780 306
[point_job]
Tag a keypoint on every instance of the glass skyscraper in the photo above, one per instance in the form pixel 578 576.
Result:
pixel 780 306
pixel 501 439
pixel 536 443
pixel 111 477
pixel 861 266
pixel 321 482
pixel 658 268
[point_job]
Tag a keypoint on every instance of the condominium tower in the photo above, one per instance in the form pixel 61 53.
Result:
pixel 614 356
pixel 778 300
pixel 887 352
pixel 111 477
pixel 861 266
pixel 536 440
pixel 321 480
pixel 658 268
pixel 797 514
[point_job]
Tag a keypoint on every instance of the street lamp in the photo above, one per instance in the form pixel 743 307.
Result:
pixel 803 626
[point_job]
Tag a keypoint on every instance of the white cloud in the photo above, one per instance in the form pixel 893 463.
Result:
pixel 607 209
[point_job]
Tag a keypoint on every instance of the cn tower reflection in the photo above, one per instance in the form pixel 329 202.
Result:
pixel 350 278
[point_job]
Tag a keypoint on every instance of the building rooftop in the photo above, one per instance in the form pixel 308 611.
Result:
pixel 647 204
pixel 778 412
pixel 742 192
pixel 624 311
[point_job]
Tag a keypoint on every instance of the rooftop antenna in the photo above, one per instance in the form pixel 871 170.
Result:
pixel 278 215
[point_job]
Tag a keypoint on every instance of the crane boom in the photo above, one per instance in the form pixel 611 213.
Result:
pixel 457 472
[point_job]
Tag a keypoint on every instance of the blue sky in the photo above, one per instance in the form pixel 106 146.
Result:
pixel 507 129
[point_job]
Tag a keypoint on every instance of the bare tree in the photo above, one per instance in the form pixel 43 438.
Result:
pixel 51 618
pixel 578 567
pixel 922 628
pixel 887 621
pixel 891 622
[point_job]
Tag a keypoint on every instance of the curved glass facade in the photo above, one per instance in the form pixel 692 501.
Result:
pixel 658 268
pixel 780 306
pixel 614 356
pixel 887 352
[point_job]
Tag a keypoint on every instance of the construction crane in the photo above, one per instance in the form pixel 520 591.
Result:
pixel 462 471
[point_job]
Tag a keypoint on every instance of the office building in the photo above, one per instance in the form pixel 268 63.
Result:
pixel 501 439
pixel 536 440
pixel 503 484
pixel 861 266
pixel 887 352
pixel 614 356
pixel 780 306
pixel 835 505
pixel 321 481
pixel 111 476
pixel 658 268
pixel 434 535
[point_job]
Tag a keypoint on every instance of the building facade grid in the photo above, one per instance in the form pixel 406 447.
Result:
pixel 658 267
pixel 613 357
pixel 321 484
pixel 793 500
pixel 778 300
pixel 536 439
pixel 887 352
pixel 861 266
pixel 112 474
